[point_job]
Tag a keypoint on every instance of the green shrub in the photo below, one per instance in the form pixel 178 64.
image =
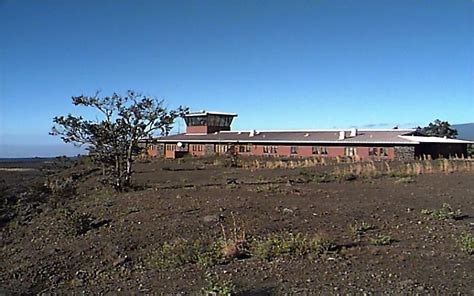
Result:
pixel 60 186
pixel 76 223
pixel 289 244
pixel 466 242
pixel 358 229
pixel 446 212
pixel 182 252
pixel 218 286
pixel 381 240
pixel 271 188
pixel 324 178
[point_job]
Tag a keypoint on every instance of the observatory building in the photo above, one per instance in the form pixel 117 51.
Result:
pixel 209 133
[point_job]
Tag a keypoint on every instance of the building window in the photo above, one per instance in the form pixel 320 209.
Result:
pixel 244 148
pixel 373 151
pixel 350 151
pixel 378 151
pixel 317 150
pixel 218 148
pixel 270 149
pixel 170 147
pixel 197 147
pixel 294 150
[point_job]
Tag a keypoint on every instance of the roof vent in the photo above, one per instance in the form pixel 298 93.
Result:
pixel 239 133
pixel 342 135
pixel 353 132
pixel 252 133
pixel 306 135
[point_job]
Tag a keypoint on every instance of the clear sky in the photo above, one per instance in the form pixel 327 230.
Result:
pixel 278 64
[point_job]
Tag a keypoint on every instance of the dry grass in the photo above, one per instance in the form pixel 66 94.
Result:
pixel 341 166
pixel 287 244
pixel 234 243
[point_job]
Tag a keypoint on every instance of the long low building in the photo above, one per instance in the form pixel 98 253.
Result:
pixel 209 133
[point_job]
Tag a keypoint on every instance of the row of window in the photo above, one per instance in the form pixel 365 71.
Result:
pixel 315 150
pixel 209 120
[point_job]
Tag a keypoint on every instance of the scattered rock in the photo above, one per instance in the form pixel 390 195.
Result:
pixel 350 177
pixel 100 222
pixel 231 181
pixel 121 260
pixel 213 218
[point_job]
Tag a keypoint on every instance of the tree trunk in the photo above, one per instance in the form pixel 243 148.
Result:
pixel 118 183
pixel 128 173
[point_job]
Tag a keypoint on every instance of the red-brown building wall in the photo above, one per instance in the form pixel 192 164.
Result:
pixel 307 151
pixel 204 129
pixel 152 150
pixel 197 150
pixel 196 129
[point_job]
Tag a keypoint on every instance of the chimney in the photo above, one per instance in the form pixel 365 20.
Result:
pixel 353 132
pixel 252 133
pixel 342 135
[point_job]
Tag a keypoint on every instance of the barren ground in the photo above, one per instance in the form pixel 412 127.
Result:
pixel 42 251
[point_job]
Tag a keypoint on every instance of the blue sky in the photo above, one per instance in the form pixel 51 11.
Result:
pixel 278 64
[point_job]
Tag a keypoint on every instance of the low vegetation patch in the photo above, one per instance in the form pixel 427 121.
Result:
pixel 76 223
pixel 210 253
pixel 61 186
pixel 466 243
pixel 233 244
pixel 181 252
pixel 381 240
pixel 358 229
pixel 215 285
pixel 289 244
pixel 269 188
pixel 405 180
pixel 446 212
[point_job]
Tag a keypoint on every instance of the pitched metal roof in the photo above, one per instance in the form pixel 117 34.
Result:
pixel 394 136
pixel 426 139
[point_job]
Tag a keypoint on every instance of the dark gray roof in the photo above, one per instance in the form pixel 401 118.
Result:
pixel 302 137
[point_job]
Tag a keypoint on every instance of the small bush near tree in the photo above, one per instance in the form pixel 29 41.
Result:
pixel 76 223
